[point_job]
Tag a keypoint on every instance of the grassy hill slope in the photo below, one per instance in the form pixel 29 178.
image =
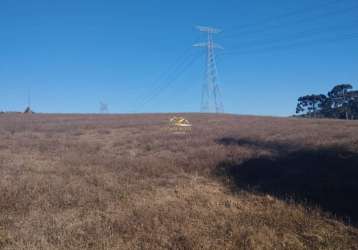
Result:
pixel 130 182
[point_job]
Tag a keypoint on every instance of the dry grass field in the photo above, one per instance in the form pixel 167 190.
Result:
pixel 129 182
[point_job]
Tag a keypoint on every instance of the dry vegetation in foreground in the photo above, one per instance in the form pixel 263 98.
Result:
pixel 126 182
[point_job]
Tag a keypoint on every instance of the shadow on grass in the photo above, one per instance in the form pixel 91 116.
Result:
pixel 324 177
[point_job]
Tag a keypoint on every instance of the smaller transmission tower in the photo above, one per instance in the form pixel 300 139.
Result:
pixel 211 96
pixel 103 108
pixel 29 98
pixel 28 109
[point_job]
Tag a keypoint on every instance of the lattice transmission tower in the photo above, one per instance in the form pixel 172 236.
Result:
pixel 103 108
pixel 211 97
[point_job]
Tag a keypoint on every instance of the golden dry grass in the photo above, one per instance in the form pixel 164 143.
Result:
pixel 128 182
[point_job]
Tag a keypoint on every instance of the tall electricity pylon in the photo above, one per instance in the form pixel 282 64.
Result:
pixel 211 97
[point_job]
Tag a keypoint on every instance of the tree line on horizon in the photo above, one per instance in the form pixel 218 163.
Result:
pixel 340 103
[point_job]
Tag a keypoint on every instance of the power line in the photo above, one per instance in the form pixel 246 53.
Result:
pixel 172 67
pixel 166 75
pixel 289 14
pixel 300 35
pixel 264 29
pixel 293 45
pixel 163 82
pixel 170 81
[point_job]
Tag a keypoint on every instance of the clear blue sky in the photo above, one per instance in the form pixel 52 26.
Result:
pixel 74 54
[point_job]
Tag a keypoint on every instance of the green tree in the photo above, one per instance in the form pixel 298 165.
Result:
pixel 352 105
pixel 310 105
pixel 340 98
